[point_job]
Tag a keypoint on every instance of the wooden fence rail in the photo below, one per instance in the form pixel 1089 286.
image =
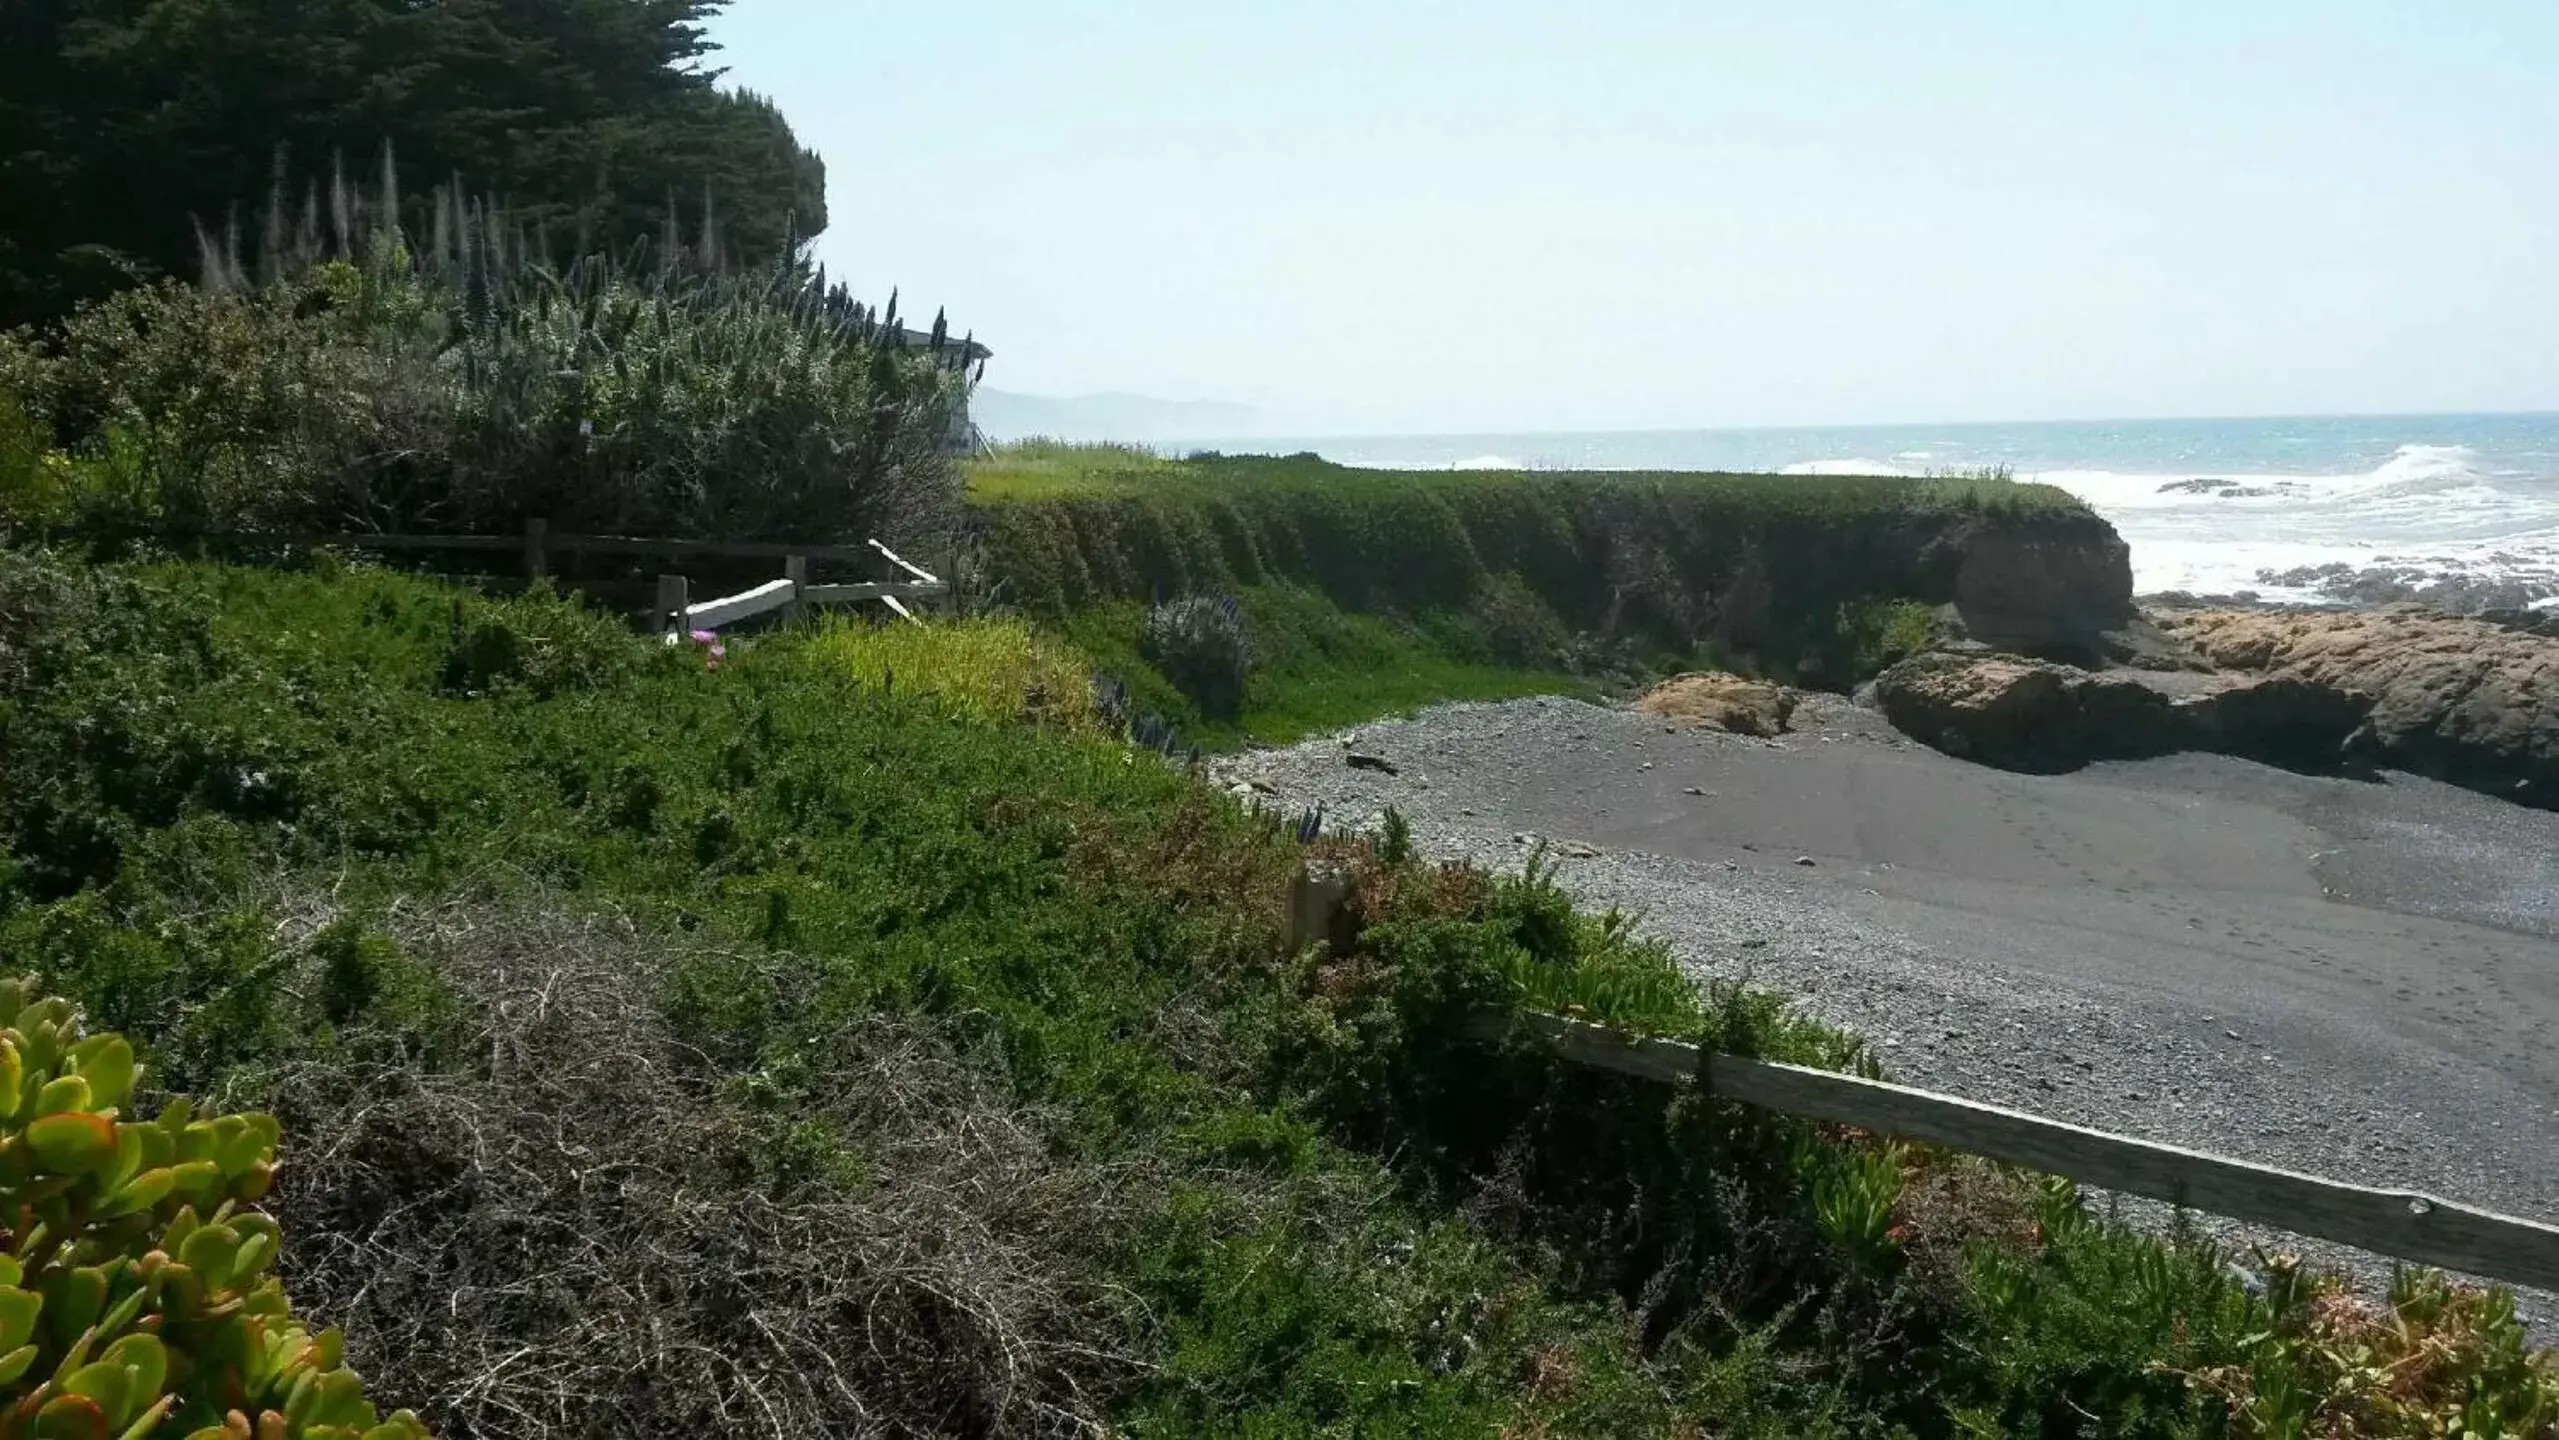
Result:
pixel 2401 1223
pixel 680 613
pixel 676 611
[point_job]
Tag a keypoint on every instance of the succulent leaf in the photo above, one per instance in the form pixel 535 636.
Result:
pixel 72 1417
pixel 114 1320
pixel 18 1312
pixel 13 1076
pixel 72 1143
pixel 62 1094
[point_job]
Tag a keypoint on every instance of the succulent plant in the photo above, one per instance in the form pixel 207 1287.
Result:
pixel 136 1298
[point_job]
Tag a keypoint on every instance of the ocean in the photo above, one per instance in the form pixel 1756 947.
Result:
pixel 2463 509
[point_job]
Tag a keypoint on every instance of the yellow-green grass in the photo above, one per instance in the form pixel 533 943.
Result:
pixel 985 669
pixel 1033 469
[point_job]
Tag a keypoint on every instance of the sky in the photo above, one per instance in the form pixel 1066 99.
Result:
pixel 1503 216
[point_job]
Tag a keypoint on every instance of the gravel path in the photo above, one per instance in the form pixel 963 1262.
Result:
pixel 2353 979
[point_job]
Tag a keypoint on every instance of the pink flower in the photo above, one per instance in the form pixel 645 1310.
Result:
pixel 715 650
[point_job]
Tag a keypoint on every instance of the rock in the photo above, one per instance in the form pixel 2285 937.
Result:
pixel 2216 487
pixel 2033 715
pixel 2469 701
pixel 2282 721
pixel 2050 588
pixel 1360 760
pixel 2389 583
pixel 1722 702
pixel 1803 859
pixel 2016 713
pixel 1577 850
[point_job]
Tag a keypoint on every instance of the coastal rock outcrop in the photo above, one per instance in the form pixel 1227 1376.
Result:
pixel 2022 714
pixel 2033 715
pixel 2054 590
pixel 2469 701
pixel 1723 702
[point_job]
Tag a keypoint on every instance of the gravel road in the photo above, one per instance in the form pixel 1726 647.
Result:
pixel 2350 978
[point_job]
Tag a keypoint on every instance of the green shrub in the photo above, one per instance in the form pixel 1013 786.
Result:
pixel 465 386
pixel 1878 634
pixel 136 1298
pixel 2440 1360
pixel 1203 645
pixel 545 644
pixel 36 480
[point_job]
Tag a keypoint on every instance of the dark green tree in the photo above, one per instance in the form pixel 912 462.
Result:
pixel 126 124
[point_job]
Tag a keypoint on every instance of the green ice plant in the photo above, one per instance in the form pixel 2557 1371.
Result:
pixel 136 1298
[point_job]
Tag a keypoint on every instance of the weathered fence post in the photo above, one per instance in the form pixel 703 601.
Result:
pixel 1315 906
pixel 795 568
pixel 674 593
pixel 537 534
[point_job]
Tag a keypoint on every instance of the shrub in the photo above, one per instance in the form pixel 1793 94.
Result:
pixel 466 385
pixel 35 479
pixel 603 1231
pixel 544 644
pixel 192 412
pixel 135 1298
pixel 1877 634
pixel 1204 646
pixel 2441 1360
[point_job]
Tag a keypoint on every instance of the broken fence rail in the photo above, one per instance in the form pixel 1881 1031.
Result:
pixel 2405 1224
pixel 681 614
pixel 676 611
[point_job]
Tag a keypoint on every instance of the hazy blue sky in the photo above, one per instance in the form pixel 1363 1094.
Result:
pixel 1515 216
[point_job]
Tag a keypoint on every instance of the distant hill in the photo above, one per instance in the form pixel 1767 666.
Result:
pixel 1005 415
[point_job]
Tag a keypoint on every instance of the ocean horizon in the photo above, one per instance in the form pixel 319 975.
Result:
pixel 2288 508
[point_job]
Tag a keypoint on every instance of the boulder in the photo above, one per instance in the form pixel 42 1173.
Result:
pixel 2474 702
pixel 2282 721
pixel 2022 714
pixel 1722 702
pixel 2053 590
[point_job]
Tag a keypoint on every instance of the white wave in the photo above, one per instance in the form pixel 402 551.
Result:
pixel 1844 467
pixel 2437 471
pixel 2237 560
pixel 1472 462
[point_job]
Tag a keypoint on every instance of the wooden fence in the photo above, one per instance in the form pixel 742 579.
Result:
pixel 676 611
pixel 2400 1223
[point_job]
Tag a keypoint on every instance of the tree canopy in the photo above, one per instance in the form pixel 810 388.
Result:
pixel 126 124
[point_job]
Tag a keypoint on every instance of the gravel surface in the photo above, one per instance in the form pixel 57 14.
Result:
pixel 2352 979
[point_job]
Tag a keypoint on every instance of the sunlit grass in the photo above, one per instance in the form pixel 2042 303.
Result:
pixel 986 669
pixel 1029 469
